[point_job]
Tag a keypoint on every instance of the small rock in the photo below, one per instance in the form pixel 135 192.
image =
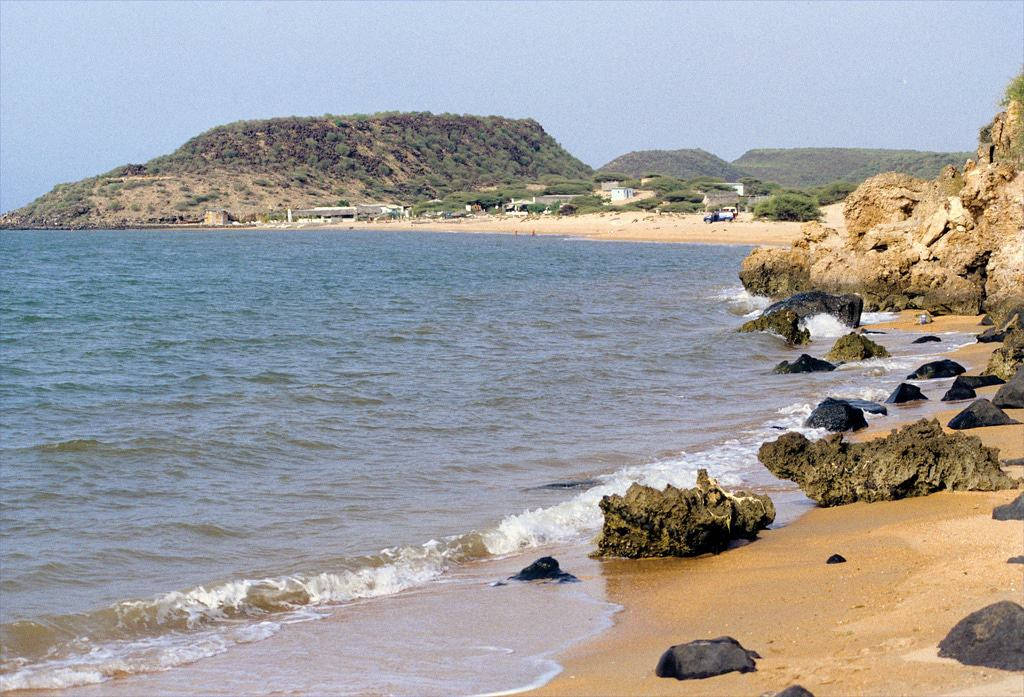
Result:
pixel 836 559
pixel 981 413
pixel 976 381
pixel 865 405
pixel 905 393
pixel 835 415
pixel 990 637
pixel 705 658
pixel 1011 395
pixel 855 347
pixel 544 569
pixel 927 338
pixel 991 335
pixel 1016 560
pixel 937 369
pixel 794 691
pixel 958 393
pixel 804 364
pixel 1010 511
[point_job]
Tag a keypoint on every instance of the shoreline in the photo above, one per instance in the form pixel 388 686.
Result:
pixel 871 626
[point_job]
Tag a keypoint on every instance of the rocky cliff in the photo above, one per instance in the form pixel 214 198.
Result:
pixel 954 245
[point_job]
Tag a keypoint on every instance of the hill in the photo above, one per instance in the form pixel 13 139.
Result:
pixel 683 164
pixel 252 168
pixel 807 167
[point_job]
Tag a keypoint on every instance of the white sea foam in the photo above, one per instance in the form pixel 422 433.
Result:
pixel 878 317
pixel 823 326
pixel 740 302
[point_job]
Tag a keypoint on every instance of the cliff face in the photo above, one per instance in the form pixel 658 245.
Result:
pixel 253 167
pixel 954 245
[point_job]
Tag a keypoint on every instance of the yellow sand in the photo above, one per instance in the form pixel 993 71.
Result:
pixel 870 626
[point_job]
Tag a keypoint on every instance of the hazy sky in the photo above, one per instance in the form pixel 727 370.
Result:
pixel 85 87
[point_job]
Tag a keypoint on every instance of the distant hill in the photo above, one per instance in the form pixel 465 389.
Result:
pixel 683 164
pixel 253 167
pixel 807 167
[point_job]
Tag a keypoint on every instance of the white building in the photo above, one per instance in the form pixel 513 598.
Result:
pixel 622 193
pixel 737 186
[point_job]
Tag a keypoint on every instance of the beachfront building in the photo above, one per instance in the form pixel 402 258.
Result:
pixel 714 200
pixel 381 210
pixel 622 193
pixel 518 206
pixel 220 217
pixel 322 214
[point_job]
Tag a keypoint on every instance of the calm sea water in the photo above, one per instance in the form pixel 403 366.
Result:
pixel 207 436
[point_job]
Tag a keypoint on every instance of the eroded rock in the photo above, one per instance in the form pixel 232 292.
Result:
pixel 855 347
pixel 705 658
pixel 676 522
pixel 988 637
pixel 785 324
pixel 915 460
pixel 1006 359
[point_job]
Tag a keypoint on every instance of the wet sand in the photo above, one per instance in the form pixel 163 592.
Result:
pixel 870 626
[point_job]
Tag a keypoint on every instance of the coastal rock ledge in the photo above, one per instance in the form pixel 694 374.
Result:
pixel 917 460
pixel 679 522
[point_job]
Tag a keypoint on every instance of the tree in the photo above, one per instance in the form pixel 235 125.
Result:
pixel 788 206
pixel 834 192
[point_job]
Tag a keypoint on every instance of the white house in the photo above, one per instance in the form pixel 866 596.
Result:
pixel 737 186
pixel 621 193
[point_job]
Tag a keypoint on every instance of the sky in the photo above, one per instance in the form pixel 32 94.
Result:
pixel 88 86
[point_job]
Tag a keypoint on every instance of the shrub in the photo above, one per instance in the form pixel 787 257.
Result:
pixel 1015 90
pixel 569 187
pixel 665 184
pixel 834 192
pixel 682 207
pixel 788 206
pixel 600 177
pixel 683 195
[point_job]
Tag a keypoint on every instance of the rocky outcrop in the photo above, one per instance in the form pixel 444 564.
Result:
pixel 785 324
pixel 948 246
pixel 915 460
pixel 905 393
pixel 846 308
pixel 805 364
pixel 855 347
pixel 990 637
pixel 980 413
pixel 705 658
pixel 1007 359
pixel 679 522
pixel 1011 395
pixel 937 369
pixel 836 415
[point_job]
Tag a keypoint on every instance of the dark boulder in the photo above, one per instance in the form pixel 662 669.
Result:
pixel 937 369
pixel 855 347
pixel 544 569
pixel 675 522
pixel 804 364
pixel 958 393
pixel 980 413
pixel 866 406
pixel 1016 560
pixel 836 559
pixel 795 691
pixel 705 658
pixel 1011 395
pixel 785 324
pixel 991 335
pixel 916 460
pixel 905 393
pixel 976 381
pixel 1010 511
pixel 836 415
pixel 990 637
pixel 846 308
pixel 928 338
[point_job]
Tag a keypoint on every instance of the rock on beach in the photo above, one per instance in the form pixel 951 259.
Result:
pixel 991 637
pixel 705 658
pixel 980 413
pixel 804 364
pixel 836 415
pixel 937 369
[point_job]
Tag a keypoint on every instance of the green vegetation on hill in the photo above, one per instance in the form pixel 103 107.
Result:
pixel 684 164
pixel 811 167
pixel 258 168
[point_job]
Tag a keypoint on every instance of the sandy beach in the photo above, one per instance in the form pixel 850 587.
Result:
pixel 628 226
pixel 867 627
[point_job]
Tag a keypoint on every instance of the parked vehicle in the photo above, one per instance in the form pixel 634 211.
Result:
pixel 719 217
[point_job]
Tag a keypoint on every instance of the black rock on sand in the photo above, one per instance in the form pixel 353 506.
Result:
pixel 981 413
pixel 990 637
pixel 836 415
pixel 1011 395
pixel 1010 511
pixel 804 364
pixel 905 393
pixel 544 569
pixel 795 691
pixel 705 658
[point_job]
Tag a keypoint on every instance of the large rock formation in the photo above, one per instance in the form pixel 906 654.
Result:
pixel 916 460
pixel 680 522
pixel 950 246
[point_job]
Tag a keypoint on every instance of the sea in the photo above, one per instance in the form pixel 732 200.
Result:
pixel 281 461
